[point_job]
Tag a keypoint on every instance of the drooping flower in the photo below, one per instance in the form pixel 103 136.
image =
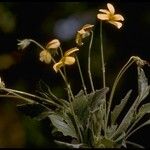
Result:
pixel 83 33
pixel 45 56
pixel 53 45
pixel 23 43
pixel 2 84
pixel 67 59
pixel 110 16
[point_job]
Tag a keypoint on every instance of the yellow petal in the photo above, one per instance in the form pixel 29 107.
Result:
pixel 102 16
pixel 79 38
pixel 81 32
pixel 117 24
pixel 88 27
pixel 104 11
pixel 70 51
pixel 111 8
pixel 54 44
pixel 45 56
pixel 69 60
pixel 57 66
pixel 118 17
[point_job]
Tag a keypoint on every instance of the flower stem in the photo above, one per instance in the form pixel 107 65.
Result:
pixel 103 73
pixel 102 55
pixel 64 67
pixel 122 71
pixel 17 93
pixel 134 144
pixel 140 126
pixel 81 75
pixel 89 62
pixel 128 132
pixel 37 44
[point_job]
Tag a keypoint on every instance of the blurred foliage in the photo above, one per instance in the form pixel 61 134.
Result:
pixel 12 133
pixel 44 21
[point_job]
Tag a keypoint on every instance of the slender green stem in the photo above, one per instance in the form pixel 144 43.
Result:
pixel 16 97
pixel 19 96
pixel 134 144
pixel 140 126
pixel 64 67
pixel 81 75
pixel 122 71
pixel 28 94
pixel 102 55
pixel 133 126
pixel 89 62
pixel 103 73
pixel 37 44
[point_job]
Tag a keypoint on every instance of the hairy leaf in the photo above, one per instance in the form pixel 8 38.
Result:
pixel 144 109
pixel 143 91
pixel 96 98
pixel 143 88
pixel 63 124
pixel 129 117
pixel 118 108
pixel 80 105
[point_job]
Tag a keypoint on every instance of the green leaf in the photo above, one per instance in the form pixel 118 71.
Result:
pixel 80 105
pixel 127 120
pixel 63 124
pixel 118 108
pixel 143 91
pixel 97 98
pixel 143 88
pixel 144 109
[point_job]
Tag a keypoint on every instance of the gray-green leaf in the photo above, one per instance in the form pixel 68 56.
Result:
pixel 118 108
pixel 97 98
pixel 80 105
pixel 143 88
pixel 144 109
pixel 63 125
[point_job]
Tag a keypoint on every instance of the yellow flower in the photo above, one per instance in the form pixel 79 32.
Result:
pixel 53 45
pixel 45 56
pixel 67 59
pixel 110 16
pixel 83 33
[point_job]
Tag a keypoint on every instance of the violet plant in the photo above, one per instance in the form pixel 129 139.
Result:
pixel 88 118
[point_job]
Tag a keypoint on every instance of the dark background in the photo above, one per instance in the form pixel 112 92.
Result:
pixel 44 21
